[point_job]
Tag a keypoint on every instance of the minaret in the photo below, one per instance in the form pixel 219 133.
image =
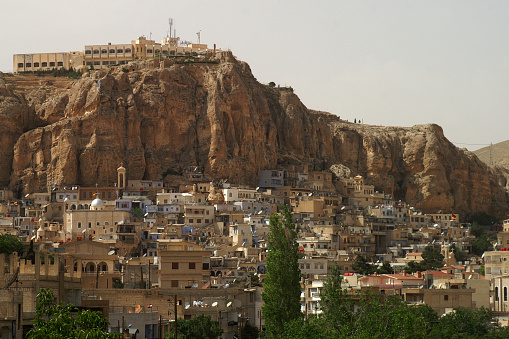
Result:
pixel 121 178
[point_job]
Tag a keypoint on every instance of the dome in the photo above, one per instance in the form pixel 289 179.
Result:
pixel 97 202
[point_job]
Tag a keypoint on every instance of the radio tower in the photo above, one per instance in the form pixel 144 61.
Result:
pixel 170 21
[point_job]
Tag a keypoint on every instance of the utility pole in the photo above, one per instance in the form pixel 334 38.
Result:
pixel 175 304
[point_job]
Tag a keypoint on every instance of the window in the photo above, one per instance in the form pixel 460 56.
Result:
pixel 158 51
pixel 174 283
pixel 446 297
pixel 192 266
pixel 29 64
pixel 149 51
pixel 198 221
pixel 97 63
pixel 496 293
pixel 103 195
pixel 106 62
pixel 36 64
pixel 505 293
pixel 120 50
pixel 89 224
pixel 191 221
pixel 79 224
pixel 60 63
pixel 88 52
pixel 205 266
pixel 20 65
pixel 104 51
pixel 128 50
pixel 84 195
pixel 112 51
pixel 174 265
pixel 44 64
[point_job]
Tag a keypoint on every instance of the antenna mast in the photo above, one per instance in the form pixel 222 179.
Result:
pixel 198 34
pixel 170 21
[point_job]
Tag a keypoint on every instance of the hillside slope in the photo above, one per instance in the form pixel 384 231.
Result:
pixel 219 117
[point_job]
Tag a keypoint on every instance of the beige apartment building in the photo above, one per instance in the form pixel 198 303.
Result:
pixel 47 61
pixel 182 264
pixel 104 56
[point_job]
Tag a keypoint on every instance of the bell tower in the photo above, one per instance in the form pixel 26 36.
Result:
pixel 121 177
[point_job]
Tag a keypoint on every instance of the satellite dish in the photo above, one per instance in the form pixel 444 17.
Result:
pixel 32 238
pixel 195 285
pixel 84 230
pixel 145 255
pixel 187 306
pixel 342 208
pixel 214 304
pixel 229 304
pixel 226 286
pixel 111 252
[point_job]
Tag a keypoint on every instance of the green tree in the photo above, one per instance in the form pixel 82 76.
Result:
pixel 200 327
pixel 136 212
pixel 281 295
pixel 65 321
pixel 272 84
pixel 362 266
pixel 459 254
pixel 414 266
pixel 432 258
pixel 482 244
pixel 386 268
pixel 336 304
pixel 464 323
pixel 10 243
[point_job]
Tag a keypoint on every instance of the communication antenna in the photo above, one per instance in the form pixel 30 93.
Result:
pixel 198 34
pixel 170 21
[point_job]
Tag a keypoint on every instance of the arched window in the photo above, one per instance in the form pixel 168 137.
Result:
pixel 505 293
pixel 90 267
pixel 104 51
pixel 496 293
pixel 75 267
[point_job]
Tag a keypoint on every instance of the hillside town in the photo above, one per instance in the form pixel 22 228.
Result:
pixel 145 252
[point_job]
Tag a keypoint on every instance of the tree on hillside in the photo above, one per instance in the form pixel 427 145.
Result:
pixel 9 244
pixel 459 254
pixel 281 295
pixel 200 327
pixel 65 321
pixel 432 258
pixel 362 266
pixel 386 268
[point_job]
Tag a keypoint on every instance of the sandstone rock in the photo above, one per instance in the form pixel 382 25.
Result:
pixel 218 117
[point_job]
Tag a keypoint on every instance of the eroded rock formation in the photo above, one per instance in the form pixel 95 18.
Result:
pixel 219 117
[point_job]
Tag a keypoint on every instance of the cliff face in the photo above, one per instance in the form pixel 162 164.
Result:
pixel 219 117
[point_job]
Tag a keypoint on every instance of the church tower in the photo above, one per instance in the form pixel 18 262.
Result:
pixel 121 177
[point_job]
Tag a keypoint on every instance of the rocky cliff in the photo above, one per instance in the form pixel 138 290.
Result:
pixel 216 115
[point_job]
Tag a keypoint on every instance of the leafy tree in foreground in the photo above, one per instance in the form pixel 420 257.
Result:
pixel 200 327
pixel 9 244
pixel 61 321
pixel 337 305
pixel 281 294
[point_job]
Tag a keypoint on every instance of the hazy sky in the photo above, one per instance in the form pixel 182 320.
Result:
pixel 389 63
